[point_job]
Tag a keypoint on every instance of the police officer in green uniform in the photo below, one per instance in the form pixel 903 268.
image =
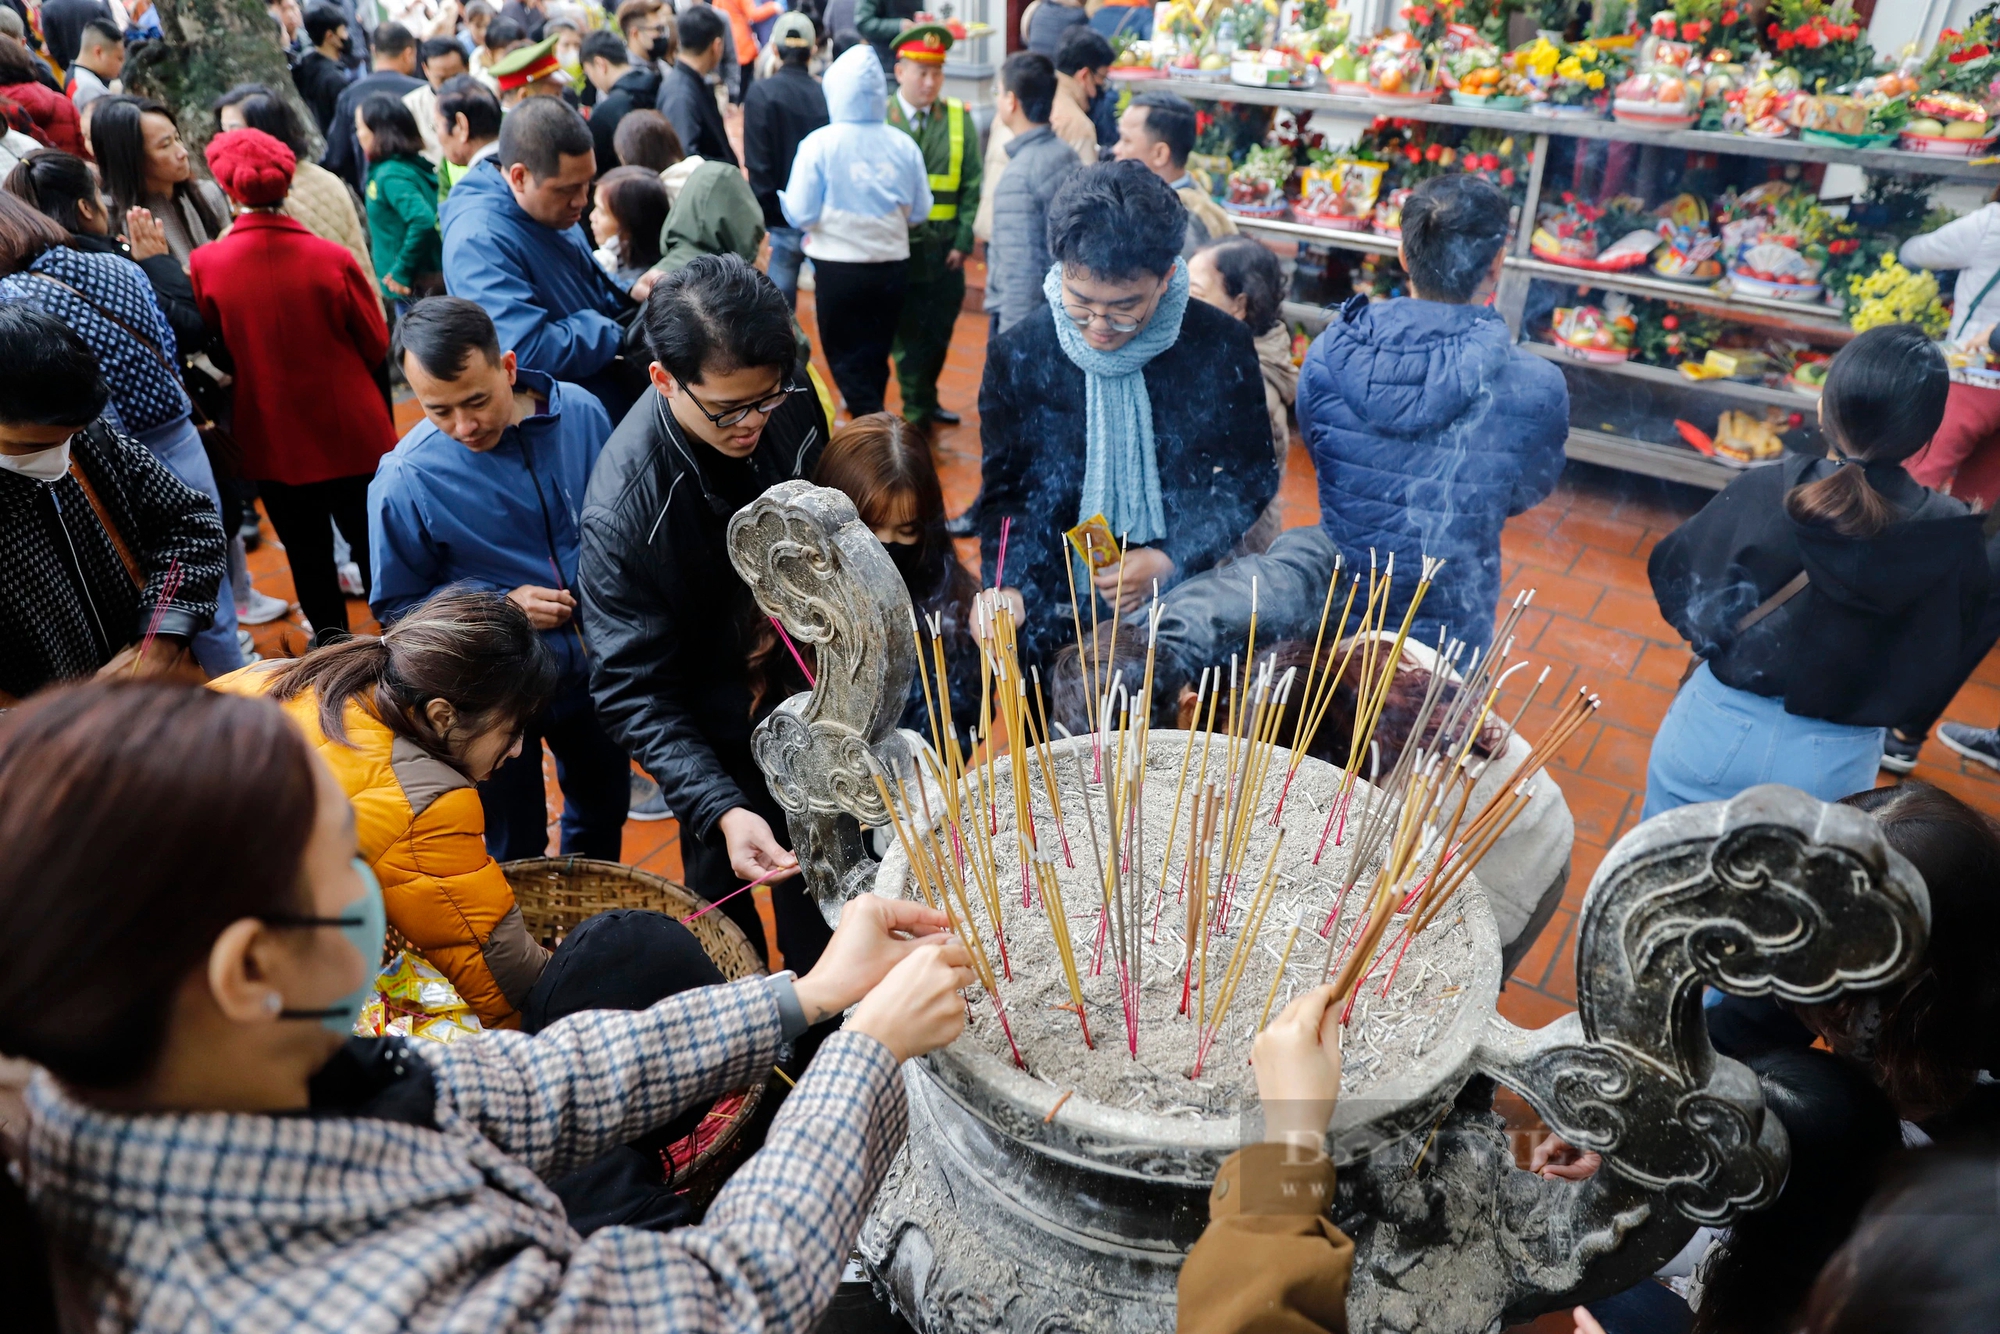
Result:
pixel 939 244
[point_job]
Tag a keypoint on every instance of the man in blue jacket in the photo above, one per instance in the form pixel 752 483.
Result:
pixel 1428 427
pixel 512 244
pixel 487 492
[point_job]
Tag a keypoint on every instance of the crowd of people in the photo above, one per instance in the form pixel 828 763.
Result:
pixel 531 223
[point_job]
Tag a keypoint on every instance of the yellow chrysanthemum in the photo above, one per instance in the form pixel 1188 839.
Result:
pixel 1594 80
pixel 1572 68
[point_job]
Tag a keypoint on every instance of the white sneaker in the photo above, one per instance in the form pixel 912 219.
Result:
pixel 262 609
pixel 350 580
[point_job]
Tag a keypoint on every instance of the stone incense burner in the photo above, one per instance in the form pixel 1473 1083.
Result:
pixel 999 1217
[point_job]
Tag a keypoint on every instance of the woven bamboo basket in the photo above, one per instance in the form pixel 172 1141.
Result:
pixel 557 893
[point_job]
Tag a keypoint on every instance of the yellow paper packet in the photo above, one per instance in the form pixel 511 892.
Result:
pixel 1095 542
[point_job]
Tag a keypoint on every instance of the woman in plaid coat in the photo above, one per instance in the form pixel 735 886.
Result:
pixel 193 937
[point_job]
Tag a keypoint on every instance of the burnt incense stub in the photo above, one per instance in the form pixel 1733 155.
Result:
pixel 1064 1196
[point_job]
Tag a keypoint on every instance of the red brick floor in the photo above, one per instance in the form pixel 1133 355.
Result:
pixel 1593 622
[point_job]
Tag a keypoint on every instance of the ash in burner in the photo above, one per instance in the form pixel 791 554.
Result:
pixel 1385 1034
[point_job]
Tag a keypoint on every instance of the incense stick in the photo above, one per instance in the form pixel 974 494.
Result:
pixel 796 656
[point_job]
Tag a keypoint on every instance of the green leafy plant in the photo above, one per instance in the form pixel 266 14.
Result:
pixel 1962 62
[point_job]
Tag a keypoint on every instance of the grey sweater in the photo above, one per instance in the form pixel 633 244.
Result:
pixel 1017 253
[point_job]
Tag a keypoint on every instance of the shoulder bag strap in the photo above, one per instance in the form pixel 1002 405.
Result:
pixel 202 421
pixel 1791 589
pixel 1971 309
pixel 150 345
pixel 118 542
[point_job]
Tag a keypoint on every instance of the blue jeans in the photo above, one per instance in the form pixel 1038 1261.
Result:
pixel 788 251
pixel 177 446
pixel 1717 740
pixel 593 771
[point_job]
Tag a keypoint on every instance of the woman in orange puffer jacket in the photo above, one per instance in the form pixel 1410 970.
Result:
pixel 410 722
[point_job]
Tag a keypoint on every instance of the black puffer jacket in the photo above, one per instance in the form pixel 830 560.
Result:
pixel 669 619
pixel 1211 435
pixel 1886 629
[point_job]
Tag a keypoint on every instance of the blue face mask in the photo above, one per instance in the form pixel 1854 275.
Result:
pixel 365 924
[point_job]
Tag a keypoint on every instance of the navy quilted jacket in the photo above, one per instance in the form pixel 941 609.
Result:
pixel 1428 429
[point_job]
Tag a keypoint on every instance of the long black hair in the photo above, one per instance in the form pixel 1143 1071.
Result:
pixel 1923 1257
pixel 262 109
pixel 1882 402
pixel 1940 1029
pixel 1842 1129
pixel 118 142
pixel 636 197
pixel 393 127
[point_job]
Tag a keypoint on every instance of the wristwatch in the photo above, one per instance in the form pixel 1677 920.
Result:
pixel 791 1014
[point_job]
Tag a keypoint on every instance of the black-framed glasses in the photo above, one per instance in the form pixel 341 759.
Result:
pixel 763 407
pixel 1083 316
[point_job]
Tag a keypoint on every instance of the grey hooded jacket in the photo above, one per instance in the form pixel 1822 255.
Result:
pixel 1017 252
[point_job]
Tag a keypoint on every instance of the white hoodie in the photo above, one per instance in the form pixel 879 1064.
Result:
pixel 858 181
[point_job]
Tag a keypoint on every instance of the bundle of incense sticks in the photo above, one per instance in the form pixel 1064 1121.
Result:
pixel 1415 816
pixel 1400 890
pixel 1378 673
pixel 1455 733
pixel 170 584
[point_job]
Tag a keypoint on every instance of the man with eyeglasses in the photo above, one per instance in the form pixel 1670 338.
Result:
pixel 730 415
pixel 1120 397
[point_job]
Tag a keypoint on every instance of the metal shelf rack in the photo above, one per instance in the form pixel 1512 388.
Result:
pixel 1521 268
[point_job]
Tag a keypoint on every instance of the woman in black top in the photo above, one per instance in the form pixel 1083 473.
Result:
pixel 1827 598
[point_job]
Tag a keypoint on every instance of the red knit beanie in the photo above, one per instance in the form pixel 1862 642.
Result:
pixel 252 167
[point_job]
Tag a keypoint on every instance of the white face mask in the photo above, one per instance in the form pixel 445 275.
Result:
pixel 42 466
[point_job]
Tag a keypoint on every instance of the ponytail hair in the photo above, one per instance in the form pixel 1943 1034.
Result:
pixel 1883 401
pixel 474 650
pixel 53 183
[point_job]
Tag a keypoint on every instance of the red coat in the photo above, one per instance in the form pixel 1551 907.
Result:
pixel 305 331
pixel 54 115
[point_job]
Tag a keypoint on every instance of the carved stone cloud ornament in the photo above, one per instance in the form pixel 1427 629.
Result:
pixel 817 570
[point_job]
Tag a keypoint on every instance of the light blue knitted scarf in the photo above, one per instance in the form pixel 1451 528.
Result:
pixel 1121 471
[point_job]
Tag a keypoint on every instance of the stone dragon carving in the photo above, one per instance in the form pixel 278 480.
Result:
pixel 1771 894
pixel 816 569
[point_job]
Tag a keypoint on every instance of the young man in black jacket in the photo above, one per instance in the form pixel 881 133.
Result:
pixel 620 88
pixel 394 75
pixel 732 413
pixel 322 74
pixel 777 113
pixel 1180 463
pixel 93 530
pixel 685 97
